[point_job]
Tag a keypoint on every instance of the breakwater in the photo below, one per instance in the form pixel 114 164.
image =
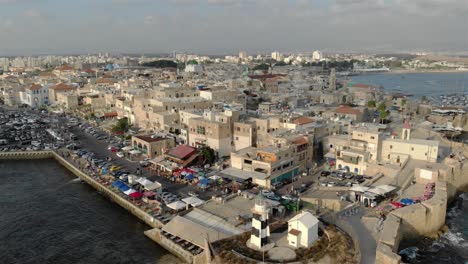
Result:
pixel 107 192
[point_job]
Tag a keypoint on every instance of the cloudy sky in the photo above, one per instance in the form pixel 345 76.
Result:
pixel 227 26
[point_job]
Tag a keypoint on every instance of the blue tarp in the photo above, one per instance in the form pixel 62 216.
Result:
pixel 407 201
pixel 204 181
pixel 117 184
pixel 189 177
pixel 124 188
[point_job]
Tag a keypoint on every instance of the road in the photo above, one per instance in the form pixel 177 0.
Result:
pixel 99 147
pixel 367 243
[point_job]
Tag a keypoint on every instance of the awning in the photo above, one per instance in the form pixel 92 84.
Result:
pixel 193 201
pixel 358 188
pixel 177 205
pixel 134 152
pixel 136 195
pixel 124 188
pixel 204 181
pixel 129 191
pixel 127 148
pixel 330 155
pixel 189 177
pixel 153 186
pixel 215 177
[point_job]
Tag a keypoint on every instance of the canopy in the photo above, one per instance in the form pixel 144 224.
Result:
pixel 193 201
pixel 127 148
pixel 358 188
pixel 204 181
pixel 189 177
pixel 124 187
pixel 177 205
pixel 134 151
pixel 407 201
pixel 153 186
pixel 147 194
pixel 136 195
pixel 129 191
pixel 118 184
pixel 382 189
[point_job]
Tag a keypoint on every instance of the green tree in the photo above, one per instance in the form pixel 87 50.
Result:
pixel 262 67
pixel 121 126
pixel 423 99
pixel 192 62
pixel 161 64
pixel 383 116
pixel 209 155
pixel 371 103
pixel 382 107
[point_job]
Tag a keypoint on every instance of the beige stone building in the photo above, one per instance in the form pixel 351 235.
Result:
pixel 216 134
pixel 152 146
pixel 244 135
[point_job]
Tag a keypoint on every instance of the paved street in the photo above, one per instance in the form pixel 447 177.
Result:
pixel 99 147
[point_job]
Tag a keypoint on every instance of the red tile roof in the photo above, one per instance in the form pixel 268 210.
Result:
pixel 35 87
pixel 111 114
pixel 62 87
pixel 182 151
pixel 105 80
pixel 294 232
pixel 303 120
pixel 301 140
pixel 65 68
pixel 347 110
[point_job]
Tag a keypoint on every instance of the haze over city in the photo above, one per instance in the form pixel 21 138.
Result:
pixel 225 26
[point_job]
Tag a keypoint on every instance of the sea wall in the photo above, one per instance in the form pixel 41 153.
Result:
pixel 154 233
pixel 423 219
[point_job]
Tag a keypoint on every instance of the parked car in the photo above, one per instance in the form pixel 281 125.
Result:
pixel 120 154
pixel 324 173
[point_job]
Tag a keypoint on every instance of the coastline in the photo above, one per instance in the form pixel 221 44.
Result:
pixel 423 71
pixel 151 221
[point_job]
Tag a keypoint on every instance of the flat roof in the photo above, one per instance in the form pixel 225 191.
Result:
pixel 424 142
pixel 193 232
pixel 243 175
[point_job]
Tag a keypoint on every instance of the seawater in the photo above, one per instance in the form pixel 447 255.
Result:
pixel 452 247
pixel 48 216
pixel 418 84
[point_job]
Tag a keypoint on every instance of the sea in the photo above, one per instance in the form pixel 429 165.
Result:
pixel 452 247
pixel 418 84
pixel 48 216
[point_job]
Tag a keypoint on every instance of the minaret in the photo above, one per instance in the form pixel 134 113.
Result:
pixel 332 80
pixel 260 229
pixel 406 132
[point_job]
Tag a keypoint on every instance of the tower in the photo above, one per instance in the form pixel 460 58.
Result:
pixel 260 228
pixel 332 80
pixel 406 132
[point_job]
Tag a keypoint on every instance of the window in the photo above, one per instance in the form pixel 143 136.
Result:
pixel 237 138
pixel 412 149
pixel 238 128
pixel 201 130
pixel 372 137
pixel 391 146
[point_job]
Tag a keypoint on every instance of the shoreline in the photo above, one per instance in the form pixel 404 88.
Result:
pixel 155 225
pixel 417 72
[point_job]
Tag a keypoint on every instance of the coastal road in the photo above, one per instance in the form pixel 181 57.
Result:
pixel 100 149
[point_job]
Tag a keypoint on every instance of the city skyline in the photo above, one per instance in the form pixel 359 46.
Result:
pixel 228 26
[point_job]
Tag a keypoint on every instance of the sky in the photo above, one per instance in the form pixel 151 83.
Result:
pixel 29 27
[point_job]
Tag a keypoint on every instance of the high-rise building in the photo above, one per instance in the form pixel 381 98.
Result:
pixel 317 55
pixel 243 55
pixel 277 56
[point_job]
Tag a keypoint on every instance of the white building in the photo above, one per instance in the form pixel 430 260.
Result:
pixel 277 56
pixel 195 68
pixel 317 55
pixel 35 95
pixel 302 230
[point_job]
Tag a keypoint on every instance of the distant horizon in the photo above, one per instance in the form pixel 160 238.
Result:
pixel 228 26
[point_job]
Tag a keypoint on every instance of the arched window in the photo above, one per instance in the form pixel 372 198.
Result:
pixel 356 170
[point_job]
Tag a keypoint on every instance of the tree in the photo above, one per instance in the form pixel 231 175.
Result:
pixel 262 67
pixel 371 103
pixel 209 155
pixel 194 62
pixel 122 126
pixel 161 64
pixel 423 99
pixel 382 107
